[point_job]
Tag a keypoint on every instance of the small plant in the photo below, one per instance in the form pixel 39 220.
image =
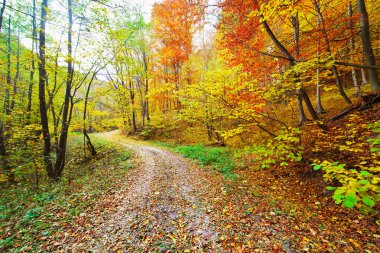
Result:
pixel 219 158
pixel 32 213
pixel 359 188
pixel 376 140
pixel 283 149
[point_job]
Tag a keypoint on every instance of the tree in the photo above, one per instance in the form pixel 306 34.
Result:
pixel 2 13
pixel 33 65
pixel 174 23
pixel 367 45
pixel 67 108
pixel 42 99
pixel 322 25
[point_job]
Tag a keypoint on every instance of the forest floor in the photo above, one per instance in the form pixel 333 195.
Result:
pixel 136 196
pixel 170 204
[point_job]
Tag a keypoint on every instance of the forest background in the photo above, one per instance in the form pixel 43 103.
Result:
pixel 286 86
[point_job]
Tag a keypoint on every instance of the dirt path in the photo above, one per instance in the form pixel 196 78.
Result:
pixel 166 203
pixel 162 206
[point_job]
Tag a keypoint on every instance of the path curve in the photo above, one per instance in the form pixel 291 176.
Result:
pixel 162 208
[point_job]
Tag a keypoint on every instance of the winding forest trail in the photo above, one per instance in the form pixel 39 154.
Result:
pixel 166 203
pixel 162 207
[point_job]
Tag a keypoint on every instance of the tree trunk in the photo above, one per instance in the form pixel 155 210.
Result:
pixel 42 100
pixel 300 92
pixel 296 38
pixel 364 78
pixel 2 13
pixel 318 108
pixel 309 106
pixel 86 137
pixel 4 156
pixel 134 125
pixel 328 48
pixel 33 65
pixel 15 80
pixel 52 93
pixel 367 45
pixel 146 100
pixel 61 149
pixel 352 49
pixel 8 109
pixel 8 85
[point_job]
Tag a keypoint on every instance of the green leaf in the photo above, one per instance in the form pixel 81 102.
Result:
pixel 364 173
pixel 340 191
pixel 368 201
pixel 330 188
pixel 317 167
pixel 365 182
pixel 338 197
pixel 348 203
pixel 350 199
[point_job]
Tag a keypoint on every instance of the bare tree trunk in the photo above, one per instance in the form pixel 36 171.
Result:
pixel 7 107
pixel 328 48
pixel 61 149
pixel 86 137
pixel 2 13
pixel 52 93
pixel 132 97
pixel 367 45
pixel 352 43
pixel 146 100
pixel 15 80
pixel 296 36
pixel 8 86
pixel 42 100
pixel 33 67
pixel 4 156
pixel 364 78
pixel 319 108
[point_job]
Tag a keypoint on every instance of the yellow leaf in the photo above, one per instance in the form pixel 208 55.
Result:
pixel 354 243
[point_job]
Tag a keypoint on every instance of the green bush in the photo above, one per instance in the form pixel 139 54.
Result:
pixel 283 149
pixel 358 188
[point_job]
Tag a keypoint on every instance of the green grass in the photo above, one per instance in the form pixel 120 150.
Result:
pixel 27 214
pixel 218 158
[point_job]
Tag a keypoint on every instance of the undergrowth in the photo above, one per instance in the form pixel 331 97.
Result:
pixel 30 213
pixel 218 158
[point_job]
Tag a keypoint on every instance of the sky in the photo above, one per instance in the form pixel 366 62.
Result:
pixel 146 6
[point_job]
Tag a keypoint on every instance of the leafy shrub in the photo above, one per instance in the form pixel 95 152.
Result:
pixel 284 149
pixel 219 158
pixel 359 188
pixel 376 140
pixel 359 185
